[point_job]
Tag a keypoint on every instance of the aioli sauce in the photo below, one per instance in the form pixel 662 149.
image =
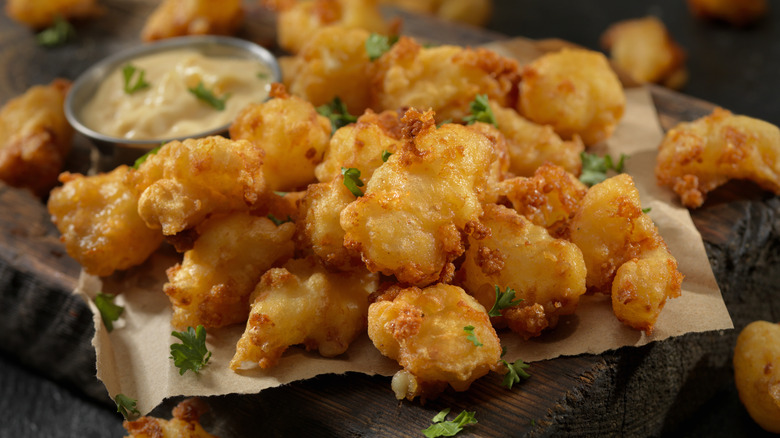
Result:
pixel 167 108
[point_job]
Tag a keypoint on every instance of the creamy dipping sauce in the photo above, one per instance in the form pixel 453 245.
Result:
pixel 166 108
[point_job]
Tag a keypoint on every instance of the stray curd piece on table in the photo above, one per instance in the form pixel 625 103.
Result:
pixel 175 94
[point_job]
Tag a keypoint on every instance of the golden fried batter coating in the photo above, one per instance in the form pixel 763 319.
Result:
pixel 499 166
pixel 360 145
pixel 418 204
pixel 302 303
pixel 99 222
pixel 624 253
pixel 576 92
pixel 41 13
pixel 173 18
pixel 319 227
pixel 427 332
pixel 644 49
pixel 299 21
pixel 696 157
pixel 443 78
pixel 35 137
pixel 333 63
pixel 757 372
pixel 185 182
pixel 549 199
pixel 548 274
pixel 735 12
pixel 291 134
pixel 212 285
pixel 184 424
pixel 531 145
pixel 474 12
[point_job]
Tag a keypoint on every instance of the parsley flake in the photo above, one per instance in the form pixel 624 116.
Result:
pixel 128 72
pixel 336 111
pixel 480 111
pixel 263 75
pixel 472 336
pixel 504 300
pixel 449 428
pixel 352 180
pixel 377 45
pixel 192 353
pixel 515 371
pixel 59 33
pixel 647 210
pixel 142 159
pixel 595 168
pixel 385 155
pixel 126 405
pixel 278 221
pixel 208 96
pixel 109 312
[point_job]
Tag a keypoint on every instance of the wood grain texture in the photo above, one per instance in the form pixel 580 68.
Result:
pixel 649 390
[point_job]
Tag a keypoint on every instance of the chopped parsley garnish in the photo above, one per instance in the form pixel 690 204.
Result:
pixel 377 45
pixel 504 300
pixel 469 329
pixel 515 371
pixel 192 353
pixel 59 33
pixel 263 75
pixel 385 155
pixel 595 168
pixel 128 72
pixel 126 405
pixel 278 221
pixel 336 111
pixel 480 111
pixel 208 97
pixel 109 312
pixel 647 210
pixel 142 159
pixel 352 180
pixel 449 428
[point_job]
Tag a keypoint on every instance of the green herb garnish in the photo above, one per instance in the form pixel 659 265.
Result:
pixel 352 180
pixel 449 428
pixel 263 75
pixel 278 221
pixel 142 159
pixel 192 353
pixel 128 72
pixel 504 300
pixel 377 45
pixel 480 111
pixel 59 33
pixel 385 155
pixel 515 371
pixel 126 405
pixel 109 312
pixel 208 97
pixel 336 111
pixel 469 329
pixel 595 168
pixel 647 210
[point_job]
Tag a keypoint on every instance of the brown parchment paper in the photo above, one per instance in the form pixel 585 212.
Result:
pixel 134 358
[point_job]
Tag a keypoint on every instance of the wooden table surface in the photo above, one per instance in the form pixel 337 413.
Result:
pixel 665 387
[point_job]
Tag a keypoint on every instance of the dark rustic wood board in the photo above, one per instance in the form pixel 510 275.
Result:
pixel 656 389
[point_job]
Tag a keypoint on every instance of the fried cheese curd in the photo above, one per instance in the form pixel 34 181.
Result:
pixel 443 78
pixel 575 91
pixel 428 332
pixel 474 12
pixel 303 303
pixel 184 424
pixel 298 21
pixel 644 49
pixel 511 256
pixel 757 372
pixel 624 254
pixel 499 165
pixel 419 203
pixel 98 220
pixel 185 182
pixel 291 134
pixel 35 137
pixel 173 18
pixel 212 284
pixel 549 199
pixel 697 157
pixel 735 12
pixel 530 145
pixel 333 63
pixel 42 13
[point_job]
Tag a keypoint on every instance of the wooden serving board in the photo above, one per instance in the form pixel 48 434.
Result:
pixel 656 389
